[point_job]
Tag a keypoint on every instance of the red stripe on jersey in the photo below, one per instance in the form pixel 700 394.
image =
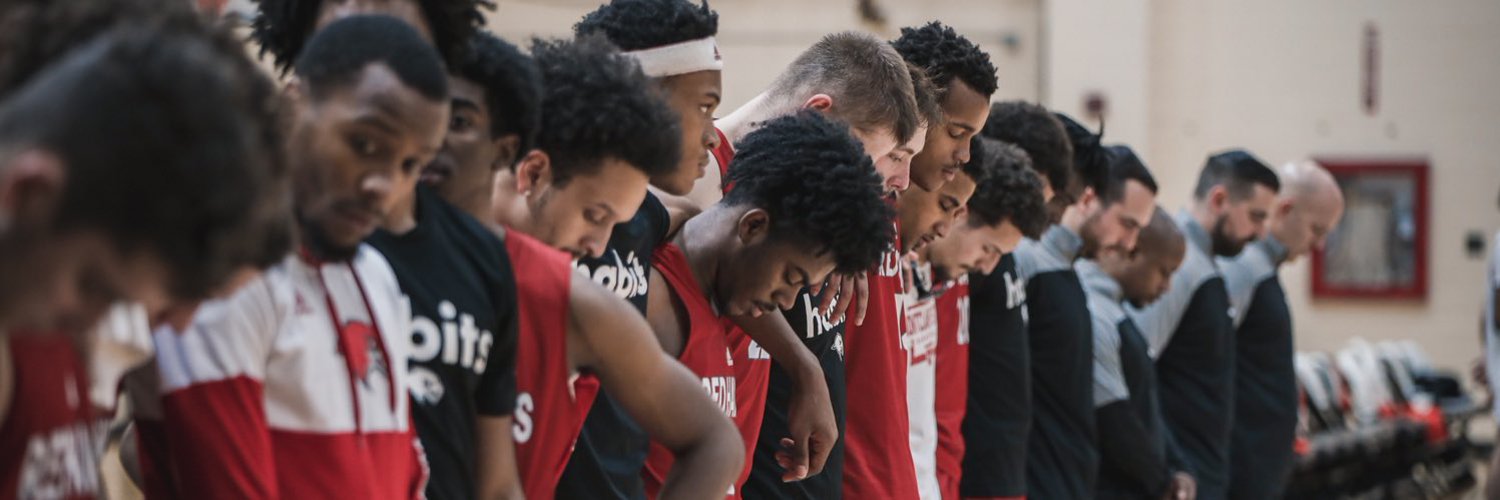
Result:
pixel 238 461
pixel 952 387
pixel 549 408
pixel 51 437
pixel 877 440
pixel 705 352
pixel 151 458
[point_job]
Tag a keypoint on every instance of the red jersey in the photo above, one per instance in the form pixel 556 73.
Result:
pixel 877 456
pixel 705 351
pixel 51 438
pixel 295 387
pixel 723 155
pixel 951 397
pixel 752 374
pixel 551 400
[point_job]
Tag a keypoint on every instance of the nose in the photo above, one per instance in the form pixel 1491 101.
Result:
pixel 785 300
pixel 962 154
pixel 941 227
pixel 378 185
pixel 710 136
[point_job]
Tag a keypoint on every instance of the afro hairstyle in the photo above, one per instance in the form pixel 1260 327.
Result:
pixel 1032 128
pixel 644 24
pixel 819 187
pixel 597 105
pixel 1006 188
pixel 283 26
pixel 946 55
pixel 512 87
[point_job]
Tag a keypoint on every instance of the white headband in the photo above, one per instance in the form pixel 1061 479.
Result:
pixel 679 58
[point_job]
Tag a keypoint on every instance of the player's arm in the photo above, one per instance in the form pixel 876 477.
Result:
pixel 7 377
pixel 608 335
pixel 679 210
pixel 813 427
pixel 213 397
pixel 495 401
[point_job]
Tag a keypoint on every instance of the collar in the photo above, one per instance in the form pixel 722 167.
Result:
pixel 1096 280
pixel 1062 241
pixel 1196 235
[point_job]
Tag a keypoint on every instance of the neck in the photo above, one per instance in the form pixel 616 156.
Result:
pixel 1073 218
pixel 749 117
pixel 507 207
pixel 1202 216
pixel 403 219
pixel 704 240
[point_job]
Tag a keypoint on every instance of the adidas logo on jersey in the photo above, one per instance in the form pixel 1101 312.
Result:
pixel 626 277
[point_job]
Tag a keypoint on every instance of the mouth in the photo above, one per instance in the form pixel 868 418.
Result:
pixel 951 171
pixel 361 218
pixel 436 172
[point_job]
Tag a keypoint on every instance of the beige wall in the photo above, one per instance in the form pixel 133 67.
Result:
pixel 1186 77
pixel 1282 78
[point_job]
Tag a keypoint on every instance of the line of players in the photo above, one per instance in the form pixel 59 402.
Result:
pixel 461 243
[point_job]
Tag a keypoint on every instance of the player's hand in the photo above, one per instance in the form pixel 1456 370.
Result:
pixel 851 290
pixel 813 430
pixel 1182 487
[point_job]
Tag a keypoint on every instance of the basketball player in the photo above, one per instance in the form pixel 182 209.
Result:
pixel 1189 329
pixel 1132 445
pixel 997 421
pixel 306 366
pixel 51 436
pixel 1265 408
pixel 1005 208
pixel 684 62
pixel 965 79
pixel 1006 197
pixel 575 334
pixel 806 203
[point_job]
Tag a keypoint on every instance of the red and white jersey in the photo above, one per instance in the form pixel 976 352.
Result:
pixel 551 399
pixel 877 447
pixel 294 387
pixel 752 376
pixel 951 395
pixel 51 438
pixel 705 352
pixel 920 339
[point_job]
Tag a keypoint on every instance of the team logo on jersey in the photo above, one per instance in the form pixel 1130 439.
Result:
pixel 838 344
pixel 456 341
pixel 721 391
pixel 626 277
pixel 523 426
pixel 63 463
pixel 816 324
pixel 1015 290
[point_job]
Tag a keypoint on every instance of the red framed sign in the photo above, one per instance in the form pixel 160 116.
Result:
pixel 1379 248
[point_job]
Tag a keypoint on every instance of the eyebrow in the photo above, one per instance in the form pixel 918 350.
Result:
pixel 608 209
pixel 806 278
pixel 377 121
pixel 715 95
pixel 967 127
pixel 462 102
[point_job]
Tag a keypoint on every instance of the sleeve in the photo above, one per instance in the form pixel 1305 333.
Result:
pixel 1124 446
pixel 1109 377
pixel 1028 257
pixel 1159 320
pixel 213 395
pixel 496 394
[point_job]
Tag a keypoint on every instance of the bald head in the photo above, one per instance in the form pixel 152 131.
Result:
pixel 1145 273
pixel 1307 208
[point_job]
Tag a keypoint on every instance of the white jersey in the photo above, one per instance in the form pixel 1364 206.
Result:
pixel 920 338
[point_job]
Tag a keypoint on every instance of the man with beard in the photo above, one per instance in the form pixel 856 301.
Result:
pixel 561 166
pixel 1006 206
pixel 1114 205
pixel 1189 330
pixel 1132 445
pixel 1265 389
pixel 305 367
pixel 997 418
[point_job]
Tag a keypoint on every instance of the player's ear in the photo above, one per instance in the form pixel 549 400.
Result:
pixel 819 102
pixel 754 226
pixel 1218 198
pixel 533 172
pixel 31 186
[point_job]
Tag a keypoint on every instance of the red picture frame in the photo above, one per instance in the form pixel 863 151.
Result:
pixel 1361 263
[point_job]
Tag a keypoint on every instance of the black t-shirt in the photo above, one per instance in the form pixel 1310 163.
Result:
pixel 1265 392
pixel 1140 378
pixel 457 276
pixel 826 341
pixel 997 421
pixel 611 448
pixel 1196 376
pixel 1062 458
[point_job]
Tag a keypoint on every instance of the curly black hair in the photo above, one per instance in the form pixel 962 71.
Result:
pixel 946 55
pixel 512 87
pixel 597 105
pixel 1032 128
pixel 283 26
pixel 818 186
pixel 339 53
pixel 168 139
pixel 1007 188
pixel 643 24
